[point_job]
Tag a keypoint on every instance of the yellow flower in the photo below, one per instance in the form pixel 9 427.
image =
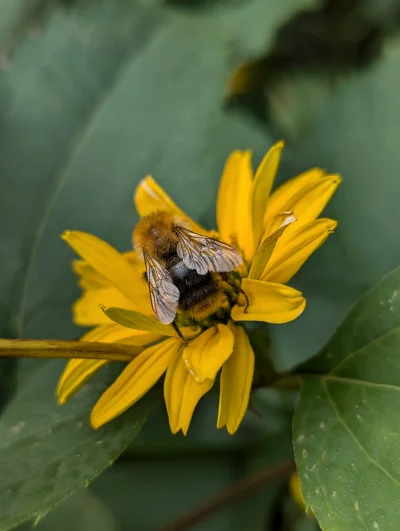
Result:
pixel 275 234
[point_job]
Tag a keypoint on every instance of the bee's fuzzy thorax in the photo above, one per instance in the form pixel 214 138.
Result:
pixel 154 235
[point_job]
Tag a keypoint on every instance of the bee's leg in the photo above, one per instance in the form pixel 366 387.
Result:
pixel 226 278
pixel 176 328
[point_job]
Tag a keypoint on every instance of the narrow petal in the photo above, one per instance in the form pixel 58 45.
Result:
pixel 78 371
pixel 233 203
pixel 182 394
pixel 261 189
pixel 87 312
pixel 114 333
pixel 289 255
pixel 205 355
pixel 266 248
pixel 134 381
pixel 269 302
pixel 236 379
pixel 75 375
pixel 89 278
pixel 290 188
pixel 105 260
pixel 309 201
pixel 149 197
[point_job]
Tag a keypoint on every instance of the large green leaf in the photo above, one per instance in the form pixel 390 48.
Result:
pixel 346 430
pixel 48 451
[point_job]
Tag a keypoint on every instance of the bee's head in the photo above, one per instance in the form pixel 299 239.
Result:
pixel 154 235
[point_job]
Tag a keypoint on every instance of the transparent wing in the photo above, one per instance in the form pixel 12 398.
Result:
pixel 164 295
pixel 206 254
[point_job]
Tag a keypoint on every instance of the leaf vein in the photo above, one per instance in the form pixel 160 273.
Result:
pixel 364 383
pixel 352 435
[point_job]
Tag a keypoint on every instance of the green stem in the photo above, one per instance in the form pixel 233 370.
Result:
pixel 287 381
pixel 50 349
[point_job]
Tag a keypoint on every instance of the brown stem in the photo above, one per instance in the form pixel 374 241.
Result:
pixel 48 348
pixel 288 382
pixel 238 490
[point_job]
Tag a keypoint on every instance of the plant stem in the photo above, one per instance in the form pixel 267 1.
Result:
pixel 238 490
pixel 47 348
pixel 287 381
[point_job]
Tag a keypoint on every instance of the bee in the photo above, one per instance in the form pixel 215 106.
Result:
pixel 184 270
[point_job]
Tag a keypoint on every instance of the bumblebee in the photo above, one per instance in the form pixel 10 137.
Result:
pixel 185 271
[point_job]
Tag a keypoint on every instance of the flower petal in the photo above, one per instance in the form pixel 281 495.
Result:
pixel 236 379
pixel 289 255
pixel 78 371
pixel 134 381
pixel 289 189
pixel 86 310
pixel 150 197
pixel 309 201
pixel 115 333
pixel 261 189
pixel 266 248
pixel 182 394
pixel 233 203
pixel 105 260
pixel 269 302
pixel 75 375
pixel 89 278
pixel 205 355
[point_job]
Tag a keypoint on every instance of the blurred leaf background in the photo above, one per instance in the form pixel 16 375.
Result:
pixel 94 95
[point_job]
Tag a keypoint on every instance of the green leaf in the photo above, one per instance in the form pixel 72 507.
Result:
pixel 49 451
pixel 83 511
pixel 345 428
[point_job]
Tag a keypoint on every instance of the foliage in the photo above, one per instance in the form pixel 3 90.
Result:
pixel 94 95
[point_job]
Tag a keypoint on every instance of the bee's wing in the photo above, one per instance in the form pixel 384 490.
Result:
pixel 164 295
pixel 206 254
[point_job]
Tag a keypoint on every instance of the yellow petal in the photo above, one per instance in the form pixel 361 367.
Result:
pixel 149 197
pixel 269 302
pixel 86 310
pixel 182 394
pixel 75 375
pixel 289 255
pixel 295 491
pixel 233 203
pixel 286 191
pixel 310 200
pixel 205 355
pixel 138 321
pixel 236 379
pixel 134 381
pixel 89 278
pixel 262 185
pixel 115 333
pixel 266 248
pixel 78 371
pixel 105 260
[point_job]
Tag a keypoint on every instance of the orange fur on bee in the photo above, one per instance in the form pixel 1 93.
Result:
pixel 173 286
pixel 154 234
